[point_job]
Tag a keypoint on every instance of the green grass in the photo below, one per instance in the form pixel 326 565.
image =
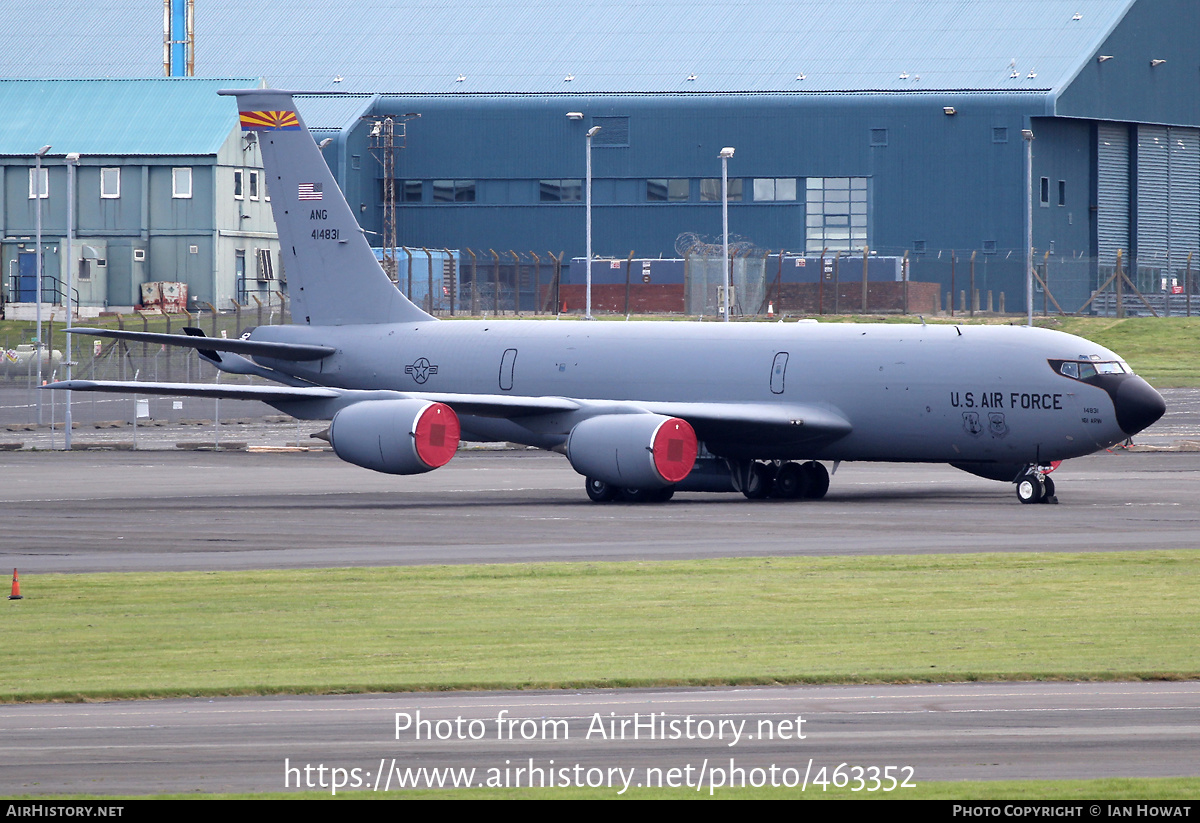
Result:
pixel 568 625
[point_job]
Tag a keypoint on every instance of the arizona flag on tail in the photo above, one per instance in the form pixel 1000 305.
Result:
pixel 269 121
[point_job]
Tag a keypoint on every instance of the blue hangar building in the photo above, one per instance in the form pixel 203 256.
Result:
pixel 896 126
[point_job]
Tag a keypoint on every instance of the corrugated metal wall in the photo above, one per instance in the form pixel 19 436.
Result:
pixel 1168 197
pixel 1112 189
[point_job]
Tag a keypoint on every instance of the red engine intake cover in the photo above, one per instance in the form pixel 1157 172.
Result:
pixel 435 435
pixel 675 449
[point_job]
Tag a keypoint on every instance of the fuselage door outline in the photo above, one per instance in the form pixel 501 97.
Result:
pixel 506 369
pixel 778 371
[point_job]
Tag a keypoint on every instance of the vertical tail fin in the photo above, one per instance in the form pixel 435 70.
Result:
pixel 333 276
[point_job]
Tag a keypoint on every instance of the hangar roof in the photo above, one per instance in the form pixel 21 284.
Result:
pixel 176 116
pixel 601 46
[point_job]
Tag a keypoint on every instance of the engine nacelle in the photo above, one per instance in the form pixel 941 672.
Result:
pixel 395 436
pixel 633 451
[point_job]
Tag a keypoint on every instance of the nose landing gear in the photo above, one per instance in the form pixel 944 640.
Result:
pixel 1036 486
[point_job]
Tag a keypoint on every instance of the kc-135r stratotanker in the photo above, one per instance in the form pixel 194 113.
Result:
pixel 641 409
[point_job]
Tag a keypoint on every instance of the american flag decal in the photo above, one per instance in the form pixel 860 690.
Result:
pixel 269 121
pixel 309 191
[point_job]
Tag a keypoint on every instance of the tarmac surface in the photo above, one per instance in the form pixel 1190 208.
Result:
pixel 131 511
pixel 171 509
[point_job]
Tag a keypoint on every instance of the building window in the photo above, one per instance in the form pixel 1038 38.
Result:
pixel 237 184
pixel 561 191
pixel 110 184
pixel 836 213
pixel 39 188
pixel 669 190
pixel 1062 192
pixel 181 182
pixel 879 137
pixel 710 189
pixel 253 185
pixel 266 267
pixel 989 246
pixel 774 188
pixel 411 191
pixel 1045 191
pixel 454 191
pixel 999 134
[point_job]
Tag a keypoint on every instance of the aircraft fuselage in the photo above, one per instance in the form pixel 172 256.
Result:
pixel 911 392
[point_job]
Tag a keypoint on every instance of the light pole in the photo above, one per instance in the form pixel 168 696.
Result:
pixel 726 153
pixel 588 209
pixel 72 163
pixel 1028 135
pixel 37 193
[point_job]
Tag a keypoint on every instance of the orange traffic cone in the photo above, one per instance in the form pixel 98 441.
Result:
pixel 771 309
pixel 16 589
pixel 564 308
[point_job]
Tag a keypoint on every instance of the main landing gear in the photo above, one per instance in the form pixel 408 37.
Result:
pixel 783 480
pixel 1036 486
pixel 601 492
pixel 786 480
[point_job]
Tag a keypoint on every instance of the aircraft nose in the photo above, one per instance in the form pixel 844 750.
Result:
pixel 1137 405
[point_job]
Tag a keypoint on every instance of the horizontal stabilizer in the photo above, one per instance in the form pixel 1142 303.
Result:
pixel 276 351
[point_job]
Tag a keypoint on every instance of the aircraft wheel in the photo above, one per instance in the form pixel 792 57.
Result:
pixel 757 485
pixel 1030 489
pixel 599 491
pixel 791 482
pixel 818 480
pixel 1048 492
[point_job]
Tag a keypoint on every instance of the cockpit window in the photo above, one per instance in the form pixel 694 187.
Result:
pixel 1086 367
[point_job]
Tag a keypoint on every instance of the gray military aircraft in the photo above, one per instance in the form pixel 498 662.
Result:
pixel 641 410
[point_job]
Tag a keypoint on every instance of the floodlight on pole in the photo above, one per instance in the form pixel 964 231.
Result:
pixel 37 193
pixel 588 217
pixel 1027 134
pixel 726 153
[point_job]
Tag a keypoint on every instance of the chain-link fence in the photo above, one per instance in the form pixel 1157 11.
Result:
pixel 1116 285
pixel 23 405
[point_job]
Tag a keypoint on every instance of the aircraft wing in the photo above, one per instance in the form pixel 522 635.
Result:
pixel 485 405
pixel 278 351
pixel 746 422
pixel 233 391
